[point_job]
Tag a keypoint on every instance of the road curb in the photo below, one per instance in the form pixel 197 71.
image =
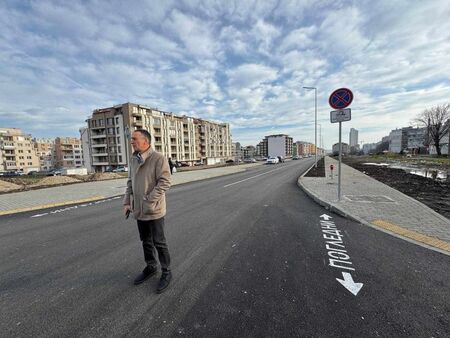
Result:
pixel 336 209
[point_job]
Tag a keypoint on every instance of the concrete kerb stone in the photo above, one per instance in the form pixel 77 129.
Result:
pixel 340 211
pixel 241 168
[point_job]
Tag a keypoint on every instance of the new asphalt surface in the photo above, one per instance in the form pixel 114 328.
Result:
pixel 252 255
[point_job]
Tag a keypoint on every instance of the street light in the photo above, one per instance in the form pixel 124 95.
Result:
pixel 320 138
pixel 315 121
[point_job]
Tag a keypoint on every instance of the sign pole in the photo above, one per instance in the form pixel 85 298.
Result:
pixel 340 160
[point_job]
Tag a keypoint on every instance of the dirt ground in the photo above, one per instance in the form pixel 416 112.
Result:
pixel 23 183
pixel 433 193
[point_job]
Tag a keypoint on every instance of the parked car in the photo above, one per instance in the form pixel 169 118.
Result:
pixel 9 173
pixel 296 157
pixel 55 172
pixel 272 160
pixel 120 169
pixel 249 160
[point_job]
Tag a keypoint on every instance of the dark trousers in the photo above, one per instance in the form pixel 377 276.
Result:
pixel 152 237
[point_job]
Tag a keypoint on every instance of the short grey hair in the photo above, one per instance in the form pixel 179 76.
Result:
pixel 146 134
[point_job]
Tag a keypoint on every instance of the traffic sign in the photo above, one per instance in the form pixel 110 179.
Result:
pixel 340 115
pixel 340 98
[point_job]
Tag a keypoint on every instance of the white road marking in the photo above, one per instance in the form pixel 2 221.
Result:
pixel 249 178
pixel 349 284
pixel 338 256
pixel 77 206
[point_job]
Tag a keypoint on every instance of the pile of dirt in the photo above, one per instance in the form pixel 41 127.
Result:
pixel 105 176
pixel 7 186
pixel 54 180
pixel 433 193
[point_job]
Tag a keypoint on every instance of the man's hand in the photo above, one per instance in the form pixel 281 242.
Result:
pixel 127 210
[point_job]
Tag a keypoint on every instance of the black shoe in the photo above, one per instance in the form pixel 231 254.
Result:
pixel 164 281
pixel 146 274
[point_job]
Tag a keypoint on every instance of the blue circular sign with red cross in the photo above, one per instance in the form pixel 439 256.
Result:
pixel 341 98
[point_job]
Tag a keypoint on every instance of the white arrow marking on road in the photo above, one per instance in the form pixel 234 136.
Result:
pixel 349 284
pixel 325 217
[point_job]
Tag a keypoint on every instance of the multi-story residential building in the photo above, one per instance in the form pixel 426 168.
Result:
pixel 396 142
pixel 353 137
pixel 87 158
pixel 345 149
pixel 44 149
pixel 213 141
pixel 17 152
pixel 68 153
pixel 408 139
pixel 305 148
pixel 249 151
pixel 262 148
pixel 369 148
pixel 181 138
pixel 236 150
pixel 276 145
pixel 416 138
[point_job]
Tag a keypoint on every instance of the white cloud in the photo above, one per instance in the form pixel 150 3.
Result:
pixel 242 62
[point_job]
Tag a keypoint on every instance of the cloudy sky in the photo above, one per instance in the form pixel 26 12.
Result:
pixel 243 62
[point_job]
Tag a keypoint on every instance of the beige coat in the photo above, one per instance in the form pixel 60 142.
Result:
pixel 147 184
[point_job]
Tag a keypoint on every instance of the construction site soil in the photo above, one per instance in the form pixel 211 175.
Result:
pixel 435 193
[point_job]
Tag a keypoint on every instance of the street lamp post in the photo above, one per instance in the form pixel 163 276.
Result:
pixel 320 138
pixel 315 122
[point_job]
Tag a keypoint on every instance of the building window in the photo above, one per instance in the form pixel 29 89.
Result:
pixel 120 158
pixel 118 130
pixel 118 139
pixel 117 120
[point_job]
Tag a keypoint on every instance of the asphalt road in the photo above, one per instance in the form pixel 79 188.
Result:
pixel 251 257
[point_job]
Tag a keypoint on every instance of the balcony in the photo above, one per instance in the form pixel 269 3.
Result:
pixel 97 136
pixel 99 154
pixel 8 147
pixel 100 163
pixel 98 145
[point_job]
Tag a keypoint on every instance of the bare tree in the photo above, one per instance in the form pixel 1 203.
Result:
pixel 437 121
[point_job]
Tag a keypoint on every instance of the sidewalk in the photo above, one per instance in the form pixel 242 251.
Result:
pixel 91 191
pixel 375 204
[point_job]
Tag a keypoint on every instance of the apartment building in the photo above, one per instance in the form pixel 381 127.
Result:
pixel 68 153
pixel 44 149
pixel 305 148
pixel 275 145
pixel 17 152
pixel 181 138
pixel 236 150
pixel 249 151
pixel 345 149
pixel 408 139
pixel 262 148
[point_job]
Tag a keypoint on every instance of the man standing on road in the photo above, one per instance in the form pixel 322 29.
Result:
pixel 148 180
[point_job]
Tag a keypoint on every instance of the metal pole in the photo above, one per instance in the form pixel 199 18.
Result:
pixel 315 128
pixel 315 122
pixel 340 160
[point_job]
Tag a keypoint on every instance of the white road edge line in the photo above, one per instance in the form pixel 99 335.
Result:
pixel 249 178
